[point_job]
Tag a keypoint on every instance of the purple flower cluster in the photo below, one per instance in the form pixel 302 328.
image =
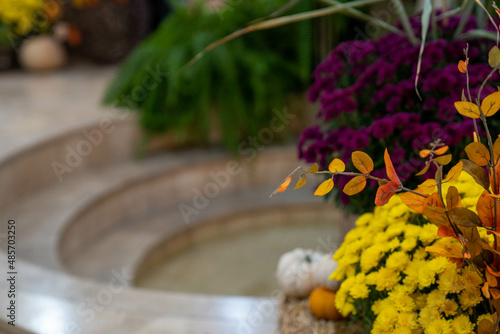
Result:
pixel 368 101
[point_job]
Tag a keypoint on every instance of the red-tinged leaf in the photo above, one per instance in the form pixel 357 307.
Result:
pixel 336 165
pixel 443 160
pixel 486 210
pixel 454 172
pixel 462 66
pixel 285 184
pixel 491 104
pixel 313 169
pixel 301 182
pixel 415 202
pixel 434 200
pixel 448 250
pixel 441 150
pixel 491 271
pixel 478 153
pixel 391 172
pixel 427 187
pixel 453 198
pixel 385 192
pixel 362 162
pixel 423 171
pixel 324 188
pixel 445 232
pixel 477 172
pixel 495 293
pixel 424 153
pixel 355 185
pixel 467 109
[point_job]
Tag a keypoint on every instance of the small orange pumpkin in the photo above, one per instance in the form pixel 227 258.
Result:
pixel 322 304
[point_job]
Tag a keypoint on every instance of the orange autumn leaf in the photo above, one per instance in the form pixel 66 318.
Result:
pixel 478 153
pixel 424 153
pixel 485 290
pixel 486 210
pixel 448 250
pixel 476 138
pixel 492 280
pixel 389 167
pixel 467 109
pixel 415 202
pixel 495 187
pixel 355 185
pixel 441 150
pixel 385 192
pixel 462 65
pixel 491 271
pixel 496 149
pixel 285 184
pixel 336 165
pixel 495 293
pixel 362 162
pixel 324 188
pixel 434 200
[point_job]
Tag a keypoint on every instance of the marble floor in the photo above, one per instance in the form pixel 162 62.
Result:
pixel 82 235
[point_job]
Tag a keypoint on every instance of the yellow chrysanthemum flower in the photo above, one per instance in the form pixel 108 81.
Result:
pixel 397 261
pixel 439 326
pixel 461 325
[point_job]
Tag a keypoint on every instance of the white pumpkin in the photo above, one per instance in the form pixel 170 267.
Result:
pixel 322 270
pixel 295 272
pixel 42 53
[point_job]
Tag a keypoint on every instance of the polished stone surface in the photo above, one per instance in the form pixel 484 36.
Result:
pixel 81 238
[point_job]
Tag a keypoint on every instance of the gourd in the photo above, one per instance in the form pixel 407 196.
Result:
pixel 295 272
pixel 322 304
pixel 42 53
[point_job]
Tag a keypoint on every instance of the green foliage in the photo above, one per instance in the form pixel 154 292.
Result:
pixel 234 87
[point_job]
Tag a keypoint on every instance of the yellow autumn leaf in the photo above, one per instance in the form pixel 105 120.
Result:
pixel 443 160
pixel 324 188
pixel 491 104
pixel 313 169
pixel 355 185
pixel 478 153
pixel 301 182
pixel 454 172
pixel 336 165
pixel 428 186
pixel 362 162
pixel 467 109
pixel 494 57
pixel 285 184
pixel 423 171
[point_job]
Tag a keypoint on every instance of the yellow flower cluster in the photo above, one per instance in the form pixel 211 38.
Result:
pixel 21 15
pixel 383 261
